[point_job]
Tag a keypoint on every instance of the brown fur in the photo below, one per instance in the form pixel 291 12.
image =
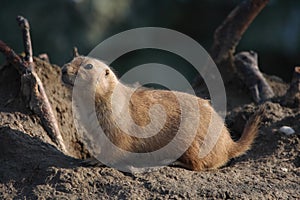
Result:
pixel 139 107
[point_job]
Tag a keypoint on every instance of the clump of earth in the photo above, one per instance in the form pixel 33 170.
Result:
pixel 32 167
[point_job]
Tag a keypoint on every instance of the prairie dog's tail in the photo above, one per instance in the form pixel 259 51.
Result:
pixel 249 134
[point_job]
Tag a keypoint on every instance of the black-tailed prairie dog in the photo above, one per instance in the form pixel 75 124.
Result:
pixel 172 105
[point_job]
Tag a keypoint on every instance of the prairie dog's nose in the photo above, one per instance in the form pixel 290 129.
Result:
pixel 64 69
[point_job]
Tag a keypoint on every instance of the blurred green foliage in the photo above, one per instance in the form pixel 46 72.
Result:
pixel 58 25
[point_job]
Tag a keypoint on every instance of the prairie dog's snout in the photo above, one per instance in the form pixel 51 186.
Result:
pixel 80 67
pixel 69 72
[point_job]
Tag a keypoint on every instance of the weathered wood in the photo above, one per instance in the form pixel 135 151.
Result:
pixel 75 52
pixel 292 97
pixel 247 68
pixel 40 105
pixel 230 32
pixel 32 89
pixel 228 35
pixel 12 57
pixel 24 25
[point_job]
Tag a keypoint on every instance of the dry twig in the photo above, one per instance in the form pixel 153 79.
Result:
pixel 247 67
pixel 230 32
pixel 75 52
pixel 227 37
pixel 292 96
pixel 31 86
pixel 24 25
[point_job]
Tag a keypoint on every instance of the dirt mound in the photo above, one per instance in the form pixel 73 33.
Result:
pixel 31 166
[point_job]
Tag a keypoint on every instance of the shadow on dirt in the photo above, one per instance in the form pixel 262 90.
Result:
pixel 28 160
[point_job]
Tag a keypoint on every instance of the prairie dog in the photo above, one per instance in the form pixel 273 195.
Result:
pixel 140 107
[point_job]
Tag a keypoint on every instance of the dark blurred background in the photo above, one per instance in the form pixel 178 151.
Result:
pixel 58 25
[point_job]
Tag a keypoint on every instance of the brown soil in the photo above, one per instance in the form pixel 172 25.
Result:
pixel 31 167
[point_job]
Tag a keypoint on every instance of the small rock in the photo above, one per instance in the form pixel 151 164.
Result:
pixel 287 130
pixel 284 169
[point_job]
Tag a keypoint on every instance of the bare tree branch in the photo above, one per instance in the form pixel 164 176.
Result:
pixel 247 68
pixel 75 52
pixel 32 88
pixel 230 32
pixel 24 25
pixel 12 57
pixel 227 37
pixel 292 96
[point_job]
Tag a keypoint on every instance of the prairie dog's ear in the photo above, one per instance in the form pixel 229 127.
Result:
pixel 106 81
pixel 107 72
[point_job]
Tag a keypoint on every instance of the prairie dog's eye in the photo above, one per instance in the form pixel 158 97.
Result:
pixel 106 72
pixel 88 66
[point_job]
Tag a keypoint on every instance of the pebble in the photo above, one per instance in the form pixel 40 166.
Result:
pixel 287 130
pixel 284 169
